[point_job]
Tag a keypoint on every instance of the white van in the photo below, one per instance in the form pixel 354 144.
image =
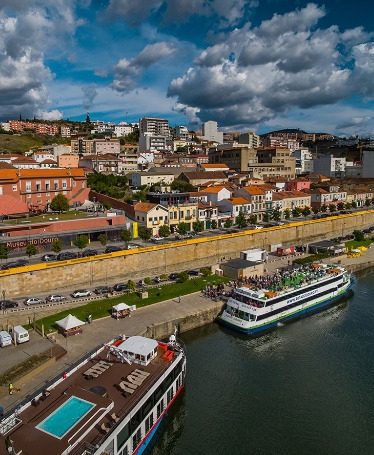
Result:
pixel 21 334
pixel 5 339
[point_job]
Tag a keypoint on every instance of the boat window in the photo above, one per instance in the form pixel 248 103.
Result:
pixel 147 406
pixel 158 393
pixel 123 436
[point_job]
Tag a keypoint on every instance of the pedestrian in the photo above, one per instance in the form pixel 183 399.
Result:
pixel 179 299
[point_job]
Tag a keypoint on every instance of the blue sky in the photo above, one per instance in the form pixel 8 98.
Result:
pixel 250 65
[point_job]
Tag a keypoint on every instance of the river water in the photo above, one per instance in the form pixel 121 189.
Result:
pixel 306 388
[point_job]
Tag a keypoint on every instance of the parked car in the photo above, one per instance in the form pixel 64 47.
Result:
pixel 193 272
pixel 156 239
pixel 67 255
pixel 33 301
pixel 14 264
pixel 49 257
pixel 55 298
pixel 103 290
pixel 120 287
pixel 81 293
pixel 88 252
pixel 4 304
pixel 173 276
pixel 112 249
pixel 132 246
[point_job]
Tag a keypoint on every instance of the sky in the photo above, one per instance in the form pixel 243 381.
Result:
pixel 249 65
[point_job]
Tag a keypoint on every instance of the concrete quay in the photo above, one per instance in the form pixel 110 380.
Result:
pixel 158 321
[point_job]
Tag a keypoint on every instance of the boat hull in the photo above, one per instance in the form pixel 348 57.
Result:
pixel 297 313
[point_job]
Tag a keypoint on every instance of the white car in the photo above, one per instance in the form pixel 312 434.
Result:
pixel 33 301
pixel 55 298
pixel 81 293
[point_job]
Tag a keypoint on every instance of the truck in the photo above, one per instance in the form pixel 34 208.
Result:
pixel 254 255
pixel 285 250
pixel 20 334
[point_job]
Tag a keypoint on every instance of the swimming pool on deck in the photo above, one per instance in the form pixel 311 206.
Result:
pixel 64 418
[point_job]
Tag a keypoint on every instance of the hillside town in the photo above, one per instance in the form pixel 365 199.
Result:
pixel 206 179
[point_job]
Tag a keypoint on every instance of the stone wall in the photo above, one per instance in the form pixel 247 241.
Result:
pixel 174 257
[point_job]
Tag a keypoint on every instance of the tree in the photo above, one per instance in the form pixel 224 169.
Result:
pixel 103 239
pixel 60 203
pixel 306 211
pixel 126 235
pixel 296 212
pixel 287 214
pixel 198 226
pixel 164 230
pixel 367 202
pixel 82 241
pixel 145 233
pixel 56 246
pixel 348 205
pixel 240 220
pixel 214 224
pixel 205 271
pixel 3 251
pixel 341 206
pixel 315 210
pixel 354 204
pixel 277 214
pixel 359 235
pixel 107 205
pixel 131 285
pixel 228 223
pixel 182 228
pixel 332 208
pixel 182 277
pixel 323 208
pixel 253 218
pixel 31 250
pixel 181 185
pixel 148 281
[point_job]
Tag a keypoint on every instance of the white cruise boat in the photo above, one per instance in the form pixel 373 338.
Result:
pixel 110 402
pixel 264 302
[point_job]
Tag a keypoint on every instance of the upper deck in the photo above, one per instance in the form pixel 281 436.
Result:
pixel 97 380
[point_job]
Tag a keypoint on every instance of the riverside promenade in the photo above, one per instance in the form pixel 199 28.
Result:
pixel 143 321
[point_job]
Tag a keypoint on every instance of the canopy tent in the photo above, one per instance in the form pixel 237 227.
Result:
pixel 121 310
pixel 70 325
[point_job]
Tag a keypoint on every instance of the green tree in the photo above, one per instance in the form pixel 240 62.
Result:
pixel 332 208
pixel 82 241
pixel 228 223
pixel 315 210
pixel 56 246
pixel 348 205
pixel 354 204
pixel 324 208
pixel 164 230
pixel 198 226
pixel 287 214
pixel 341 206
pixel 182 277
pixel 240 220
pixel 214 224
pixel 3 251
pixel 367 202
pixel 296 212
pixel 205 271
pixel 148 281
pixel 359 235
pixel 253 218
pixel 182 228
pixel 131 285
pixel 60 203
pixel 103 239
pixel 126 235
pixel 145 233
pixel 182 186
pixel 277 215
pixel 306 211
pixel 31 250
pixel 107 205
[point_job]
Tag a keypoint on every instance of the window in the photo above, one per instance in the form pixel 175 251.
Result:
pixel 47 185
pixel 64 184
pixel 160 408
pixel 29 196
pixel 1 189
pixel 55 184
pixel 14 188
pixel 38 186
pixel 28 186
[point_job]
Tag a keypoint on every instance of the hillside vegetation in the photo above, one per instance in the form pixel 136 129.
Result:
pixel 12 143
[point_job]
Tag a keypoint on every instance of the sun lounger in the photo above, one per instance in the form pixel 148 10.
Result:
pixel 98 368
pixel 104 428
pixel 105 364
pixel 128 384
pixel 91 372
pixel 134 380
pixel 114 417
pixel 144 373
pixel 124 388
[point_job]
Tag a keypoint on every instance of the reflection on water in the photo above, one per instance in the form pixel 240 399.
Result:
pixel 305 388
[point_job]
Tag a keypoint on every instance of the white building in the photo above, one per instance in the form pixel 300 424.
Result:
pixel 123 129
pixel 152 142
pixel 304 161
pixel 211 133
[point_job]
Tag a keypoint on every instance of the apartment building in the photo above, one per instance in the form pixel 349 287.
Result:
pixel 210 132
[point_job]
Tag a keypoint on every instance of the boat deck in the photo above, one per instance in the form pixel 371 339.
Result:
pixel 103 391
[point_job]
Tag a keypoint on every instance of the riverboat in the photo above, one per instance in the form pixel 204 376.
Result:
pixel 110 402
pixel 267 301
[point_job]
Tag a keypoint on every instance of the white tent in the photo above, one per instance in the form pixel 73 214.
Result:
pixel 121 306
pixel 69 322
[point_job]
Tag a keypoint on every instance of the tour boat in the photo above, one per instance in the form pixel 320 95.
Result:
pixel 110 402
pixel 262 303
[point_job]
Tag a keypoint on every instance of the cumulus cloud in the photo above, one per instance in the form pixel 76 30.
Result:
pixel 128 72
pixel 256 74
pixel 28 32
pixel 171 11
pixel 354 122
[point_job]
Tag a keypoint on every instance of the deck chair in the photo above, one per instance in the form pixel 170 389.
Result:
pixel 134 380
pixel 104 428
pixel 141 377
pixel 124 388
pixel 98 368
pixel 114 417
pixel 104 364
pixel 91 372
pixel 144 373
pixel 128 384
